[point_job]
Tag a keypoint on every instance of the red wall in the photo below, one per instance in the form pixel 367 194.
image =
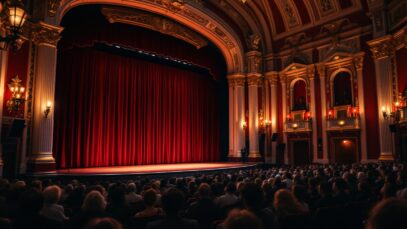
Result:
pixel 401 57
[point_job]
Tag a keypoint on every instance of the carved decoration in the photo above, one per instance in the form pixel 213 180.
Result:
pixel 290 15
pixel 254 62
pixel 382 49
pixel 254 41
pixel 42 33
pixel 254 81
pixel 236 82
pixel 53 6
pixel 153 22
pixel 326 7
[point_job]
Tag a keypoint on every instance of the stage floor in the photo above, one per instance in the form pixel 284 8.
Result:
pixel 154 169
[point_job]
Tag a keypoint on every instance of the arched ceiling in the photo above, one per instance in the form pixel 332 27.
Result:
pixel 276 20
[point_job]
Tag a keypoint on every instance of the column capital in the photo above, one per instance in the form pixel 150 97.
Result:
pixel 321 70
pixel 254 79
pixel 272 77
pixel 382 47
pixel 42 33
pixel 311 72
pixel 358 62
pixel 236 82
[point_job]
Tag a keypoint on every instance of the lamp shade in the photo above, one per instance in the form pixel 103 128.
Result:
pixel 17 15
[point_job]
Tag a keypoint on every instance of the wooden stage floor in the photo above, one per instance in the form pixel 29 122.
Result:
pixel 155 169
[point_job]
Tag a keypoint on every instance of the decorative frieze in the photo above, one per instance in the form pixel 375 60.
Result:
pixel 53 6
pixel 42 33
pixel 153 22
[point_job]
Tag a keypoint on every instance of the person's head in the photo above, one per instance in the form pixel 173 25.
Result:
pixel 339 185
pixel 252 196
pixel 204 190
pixel 172 201
pixel 325 188
pixel 51 194
pixel 131 187
pixel 31 202
pixel 285 201
pixel 94 202
pixel 241 219
pixel 150 197
pixel 230 187
pixel 103 223
pixel 390 213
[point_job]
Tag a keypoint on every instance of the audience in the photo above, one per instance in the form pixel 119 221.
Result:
pixel 51 209
pixel 252 198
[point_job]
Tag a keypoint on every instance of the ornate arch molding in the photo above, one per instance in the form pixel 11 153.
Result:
pixel 192 15
pixel 293 73
pixel 342 62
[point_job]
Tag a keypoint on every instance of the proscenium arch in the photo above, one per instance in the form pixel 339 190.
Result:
pixel 234 57
pixel 331 82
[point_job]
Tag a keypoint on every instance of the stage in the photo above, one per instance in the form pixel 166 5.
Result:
pixel 154 170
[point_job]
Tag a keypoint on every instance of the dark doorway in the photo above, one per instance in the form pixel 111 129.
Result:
pixel 301 152
pixel 345 151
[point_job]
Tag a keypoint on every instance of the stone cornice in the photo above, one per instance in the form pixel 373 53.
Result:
pixel 41 33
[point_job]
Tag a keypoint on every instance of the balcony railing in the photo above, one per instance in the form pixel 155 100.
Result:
pixel 298 126
pixel 403 114
pixel 350 123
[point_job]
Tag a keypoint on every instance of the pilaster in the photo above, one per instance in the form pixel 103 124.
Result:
pixel 322 76
pixel 236 115
pixel 272 78
pixel 311 77
pixel 383 50
pixel 45 36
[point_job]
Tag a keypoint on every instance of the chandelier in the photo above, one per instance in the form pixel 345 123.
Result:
pixel 17 95
pixel 12 18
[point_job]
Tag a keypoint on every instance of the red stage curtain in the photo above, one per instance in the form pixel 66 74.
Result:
pixel 114 110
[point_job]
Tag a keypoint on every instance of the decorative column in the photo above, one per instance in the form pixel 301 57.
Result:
pixel 3 64
pixel 383 51
pixel 254 80
pixel 284 94
pixel 321 72
pixel 311 77
pixel 358 62
pixel 45 36
pixel 237 136
pixel 272 77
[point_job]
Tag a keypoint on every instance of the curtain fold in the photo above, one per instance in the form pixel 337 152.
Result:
pixel 116 110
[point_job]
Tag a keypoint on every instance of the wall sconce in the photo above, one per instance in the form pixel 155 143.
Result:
pixel 244 125
pixel 294 126
pixel 394 114
pixel 354 112
pixel 341 123
pixel 329 114
pixel 288 117
pixel 47 109
pixel 17 95
pixel 15 12
pixel 309 117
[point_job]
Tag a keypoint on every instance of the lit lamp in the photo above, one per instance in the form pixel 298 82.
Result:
pixel 47 109
pixel 244 125
pixel 329 114
pixel 17 95
pixel 341 123
pixel 16 13
pixel 294 126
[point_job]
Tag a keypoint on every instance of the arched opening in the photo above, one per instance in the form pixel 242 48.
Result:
pixel 299 95
pixel 127 95
pixel 342 89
